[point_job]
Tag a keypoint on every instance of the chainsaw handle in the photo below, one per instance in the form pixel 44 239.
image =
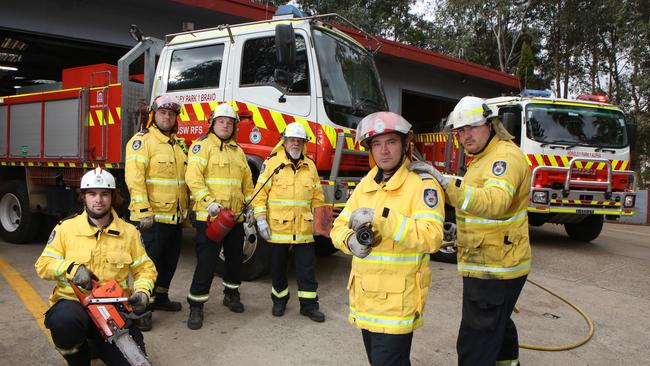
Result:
pixel 83 298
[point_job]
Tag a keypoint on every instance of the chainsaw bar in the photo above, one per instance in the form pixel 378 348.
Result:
pixel 131 350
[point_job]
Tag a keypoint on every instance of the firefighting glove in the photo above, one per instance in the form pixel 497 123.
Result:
pixel 214 208
pixel 263 229
pixel 426 170
pixel 83 277
pixel 146 222
pixel 360 217
pixel 139 299
pixel 357 249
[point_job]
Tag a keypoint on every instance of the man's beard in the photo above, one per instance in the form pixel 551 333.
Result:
pixel 295 154
pixel 97 216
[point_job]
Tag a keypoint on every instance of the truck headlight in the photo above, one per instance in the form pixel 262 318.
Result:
pixel 629 201
pixel 540 197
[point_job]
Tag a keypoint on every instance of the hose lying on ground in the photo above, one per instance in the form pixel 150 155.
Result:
pixel 567 346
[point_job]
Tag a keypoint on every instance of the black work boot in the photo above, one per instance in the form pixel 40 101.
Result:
pixel 195 321
pixel 232 302
pixel 313 314
pixel 163 303
pixel 145 323
pixel 278 308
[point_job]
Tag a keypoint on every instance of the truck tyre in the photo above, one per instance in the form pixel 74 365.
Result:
pixel 256 261
pixel 17 223
pixel 585 230
pixel 448 254
pixel 324 246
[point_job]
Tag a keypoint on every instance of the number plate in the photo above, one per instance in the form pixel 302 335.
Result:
pixel 585 211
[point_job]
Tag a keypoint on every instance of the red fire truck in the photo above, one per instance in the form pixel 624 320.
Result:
pixel 273 72
pixel 579 156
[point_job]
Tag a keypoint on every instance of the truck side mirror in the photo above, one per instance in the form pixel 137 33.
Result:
pixel 631 134
pixel 285 46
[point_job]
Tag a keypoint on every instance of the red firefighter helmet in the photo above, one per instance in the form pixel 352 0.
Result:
pixel 165 102
pixel 380 123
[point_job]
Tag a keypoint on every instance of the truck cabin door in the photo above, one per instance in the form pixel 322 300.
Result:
pixel 272 95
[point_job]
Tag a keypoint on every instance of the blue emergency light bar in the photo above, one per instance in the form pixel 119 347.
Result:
pixel 535 93
pixel 289 10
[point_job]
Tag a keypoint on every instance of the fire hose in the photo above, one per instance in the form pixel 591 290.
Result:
pixel 569 346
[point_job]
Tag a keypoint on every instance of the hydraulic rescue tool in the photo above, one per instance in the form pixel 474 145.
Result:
pixel 109 309
pixel 218 228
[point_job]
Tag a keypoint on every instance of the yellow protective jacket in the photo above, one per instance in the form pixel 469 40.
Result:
pixel 110 253
pixel 491 205
pixel 155 176
pixel 388 288
pixel 218 172
pixel 287 200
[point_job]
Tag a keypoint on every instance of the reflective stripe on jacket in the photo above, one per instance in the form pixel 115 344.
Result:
pixel 218 172
pixel 492 213
pixel 287 200
pixel 389 287
pixel 155 175
pixel 109 253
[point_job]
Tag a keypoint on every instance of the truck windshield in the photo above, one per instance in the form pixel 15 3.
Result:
pixel 351 87
pixel 576 126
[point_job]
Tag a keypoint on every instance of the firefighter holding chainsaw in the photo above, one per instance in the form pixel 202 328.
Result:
pixel 93 244
pixel 155 175
pixel 289 190
pixel 494 254
pixel 219 179
pixel 390 276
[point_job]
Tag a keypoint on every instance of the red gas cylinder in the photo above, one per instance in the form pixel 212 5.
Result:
pixel 218 228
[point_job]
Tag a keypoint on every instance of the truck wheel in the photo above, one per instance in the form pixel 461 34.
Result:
pixel 324 246
pixel 17 224
pixel 447 254
pixel 256 256
pixel 585 230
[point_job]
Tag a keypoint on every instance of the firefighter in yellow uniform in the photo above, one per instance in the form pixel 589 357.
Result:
pixel 218 177
pixel 390 279
pixel 289 191
pixel 96 242
pixel 155 176
pixel 494 254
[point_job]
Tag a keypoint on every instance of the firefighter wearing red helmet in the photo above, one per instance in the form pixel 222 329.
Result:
pixel 494 255
pixel 289 191
pixel 96 242
pixel 390 278
pixel 219 177
pixel 155 176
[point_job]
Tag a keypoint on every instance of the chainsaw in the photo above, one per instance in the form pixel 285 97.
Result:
pixel 109 309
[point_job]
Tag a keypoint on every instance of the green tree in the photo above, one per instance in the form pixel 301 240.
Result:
pixel 526 67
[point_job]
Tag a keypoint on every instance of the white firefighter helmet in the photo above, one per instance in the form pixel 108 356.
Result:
pixel 380 123
pixel 471 111
pixel 98 178
pixel 295 129
pixel 223 110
